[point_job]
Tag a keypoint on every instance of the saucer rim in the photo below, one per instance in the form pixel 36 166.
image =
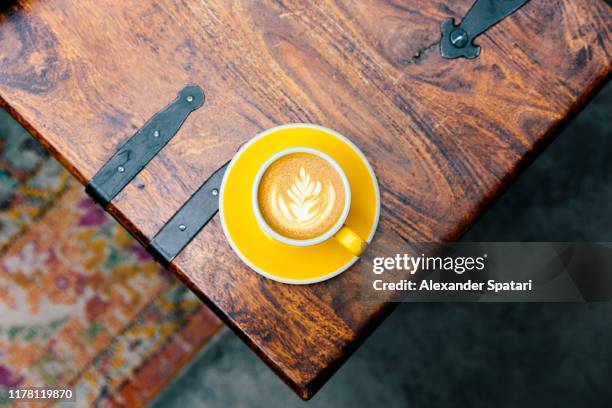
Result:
pixel 239 153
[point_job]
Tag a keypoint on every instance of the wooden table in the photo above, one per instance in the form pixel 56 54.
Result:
pixel 444 136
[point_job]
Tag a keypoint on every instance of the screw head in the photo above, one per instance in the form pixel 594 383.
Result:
pixel 182 227
pixel 189 98
pixel 215 192
pixel 459 38
pixel 120 169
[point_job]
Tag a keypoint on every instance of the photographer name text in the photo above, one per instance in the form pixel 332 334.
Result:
pixel 467 286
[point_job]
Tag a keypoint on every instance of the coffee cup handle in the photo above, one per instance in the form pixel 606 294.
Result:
pixel 351 241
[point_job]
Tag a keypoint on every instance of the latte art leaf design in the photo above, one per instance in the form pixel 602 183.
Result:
pixel 305 206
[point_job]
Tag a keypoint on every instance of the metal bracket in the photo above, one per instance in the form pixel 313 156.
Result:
pixel 134 154
pixel 187 222
pixel 457 41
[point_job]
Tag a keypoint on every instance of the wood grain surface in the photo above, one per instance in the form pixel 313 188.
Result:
pixel 445 137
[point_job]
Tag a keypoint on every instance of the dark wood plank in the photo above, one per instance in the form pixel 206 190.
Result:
pixel 444 137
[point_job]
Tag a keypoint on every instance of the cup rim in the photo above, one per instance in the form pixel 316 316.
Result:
pixel 291 241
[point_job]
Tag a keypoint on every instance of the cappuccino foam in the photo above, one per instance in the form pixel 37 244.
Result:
pixel 301 196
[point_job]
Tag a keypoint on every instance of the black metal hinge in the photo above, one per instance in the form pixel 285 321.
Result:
pixel 147 142
pixel 457 41
pixel 139 150
pixel 188 221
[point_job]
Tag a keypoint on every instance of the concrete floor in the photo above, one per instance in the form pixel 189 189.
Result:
pixel 467 355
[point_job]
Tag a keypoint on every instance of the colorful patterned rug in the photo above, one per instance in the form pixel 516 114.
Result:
pixel 81 303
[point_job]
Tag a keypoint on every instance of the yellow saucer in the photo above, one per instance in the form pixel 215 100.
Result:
pixel 274 259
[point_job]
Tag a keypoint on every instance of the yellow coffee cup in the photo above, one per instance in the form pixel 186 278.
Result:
pixel 350 240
